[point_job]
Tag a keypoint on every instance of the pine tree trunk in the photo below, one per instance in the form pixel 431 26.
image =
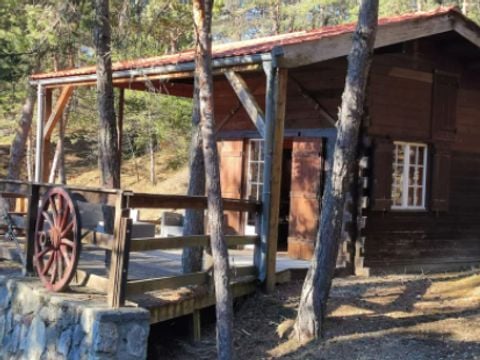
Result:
pixel 17 148
pixel 192 258
pixel 151 149
pixel 107 135
pixel 202 15
pixel 29 157
pixel 315 292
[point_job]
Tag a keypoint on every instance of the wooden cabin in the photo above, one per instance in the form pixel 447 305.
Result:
pixel 413 202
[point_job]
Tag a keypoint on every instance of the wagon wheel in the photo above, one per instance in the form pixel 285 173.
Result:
pixel 57 246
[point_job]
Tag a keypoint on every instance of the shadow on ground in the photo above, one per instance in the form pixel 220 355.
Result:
pixel 392 317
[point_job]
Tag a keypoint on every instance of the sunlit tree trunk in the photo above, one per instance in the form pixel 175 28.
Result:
pixel 29 157
pixel 465 7
pixel 192 258
pixel 316 289
pixel 151 150
pixel 17 149
pixel 107 136
pixel 202 15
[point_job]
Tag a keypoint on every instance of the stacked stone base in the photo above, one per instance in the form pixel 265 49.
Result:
pixel 35 324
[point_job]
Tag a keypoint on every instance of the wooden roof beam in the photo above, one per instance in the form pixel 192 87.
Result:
pixel 57 112
pixel 248 101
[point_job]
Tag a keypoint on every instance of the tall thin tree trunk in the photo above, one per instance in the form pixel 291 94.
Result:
pixel 192 258
pixel 151 149
pixel 17 149
pixel 316 289
pixel 107 136
pixel 29 157
pixel 202 16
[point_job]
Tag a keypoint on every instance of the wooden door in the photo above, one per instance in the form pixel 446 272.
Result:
pixel 305 195
pixel 231 165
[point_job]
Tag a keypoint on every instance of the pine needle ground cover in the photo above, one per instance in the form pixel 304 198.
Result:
pixel 381 317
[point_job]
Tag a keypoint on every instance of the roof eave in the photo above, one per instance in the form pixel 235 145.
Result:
pixel 163 69
pixel 302 54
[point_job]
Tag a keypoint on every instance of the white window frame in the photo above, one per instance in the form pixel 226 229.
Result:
pixel 253 180
pixel 405 179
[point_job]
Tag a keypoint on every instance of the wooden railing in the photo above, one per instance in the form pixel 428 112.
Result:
pixel 153 201
pixel 120 242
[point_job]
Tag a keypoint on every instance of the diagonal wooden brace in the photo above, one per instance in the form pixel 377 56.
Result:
pixel 58 111
pixel 248 101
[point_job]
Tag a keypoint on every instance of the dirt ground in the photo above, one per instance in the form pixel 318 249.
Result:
pixel 390 317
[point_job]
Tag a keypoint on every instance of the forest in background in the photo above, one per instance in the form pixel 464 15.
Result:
pixel 44 35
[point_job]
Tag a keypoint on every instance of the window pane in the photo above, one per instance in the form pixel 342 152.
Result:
pixel 253 151
pixel 413 154
pixel 420 177
pixel 253 192
pixel 400 153
pixel 419 197
pixel 260 173
pixel 421 155
pixel 410 200
pixel 253 171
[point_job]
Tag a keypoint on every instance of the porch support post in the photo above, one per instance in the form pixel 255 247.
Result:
pixel 275 101
pixel 121 110
pixel 46 163
pixel 40 125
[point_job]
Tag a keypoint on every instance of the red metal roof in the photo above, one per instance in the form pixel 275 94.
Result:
pixel 247 47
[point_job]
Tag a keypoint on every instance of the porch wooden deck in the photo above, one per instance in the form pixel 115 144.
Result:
pixel 146 272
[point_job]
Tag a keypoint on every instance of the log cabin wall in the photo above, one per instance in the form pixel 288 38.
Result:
pixel 314 94
pixel 410 99
pixel 426 98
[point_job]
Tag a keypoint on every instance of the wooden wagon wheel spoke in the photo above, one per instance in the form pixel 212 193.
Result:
pixel 66 214
pixel 48 265
pixel 53 273
pixel 64 252
pixel 49 220
pixel 56 216
pixel 57 240
pixel 44 251
pixel 67 243
pixel 67 229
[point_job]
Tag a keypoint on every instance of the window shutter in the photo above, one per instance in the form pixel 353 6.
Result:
pixel 306 185
pixel 444 106
pixel 382 174
pixel 231 171
pixel 441 177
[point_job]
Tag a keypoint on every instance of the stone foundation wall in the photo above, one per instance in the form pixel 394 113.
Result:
pixel 35 324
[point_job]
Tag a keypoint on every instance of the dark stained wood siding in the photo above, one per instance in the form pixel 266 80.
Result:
pixel 449 230
pixel 400 97
pixel 429 237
